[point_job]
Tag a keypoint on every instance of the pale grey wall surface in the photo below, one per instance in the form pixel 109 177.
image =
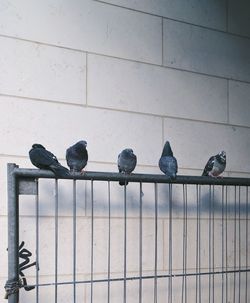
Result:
pixel 121 74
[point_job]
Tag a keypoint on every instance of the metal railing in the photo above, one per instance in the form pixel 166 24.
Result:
pixel 198 238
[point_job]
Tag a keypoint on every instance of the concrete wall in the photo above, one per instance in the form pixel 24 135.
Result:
pixel 122 74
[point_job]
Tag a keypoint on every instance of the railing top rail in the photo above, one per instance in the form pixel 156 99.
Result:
pixel 147 178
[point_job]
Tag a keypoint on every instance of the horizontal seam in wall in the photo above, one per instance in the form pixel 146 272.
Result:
pixel 170 117
pixel 126 59
pixel 177 20
pixel 35 99
pixel 42 43
pixel 210 29
pixel 2 155
pixel 126 111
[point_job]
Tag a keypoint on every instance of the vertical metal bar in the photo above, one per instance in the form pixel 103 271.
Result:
pixel 209 243
pixel 37 242
pixel 222 243
pixel 109 239
pixel 199 227
pixel 92 242
pixel 140 246
pixel 125 247
pixel 226 246
pixel 170 265
pixel 56 238
pixel 186 241
pixel 184 255
pixel 213 266
pixel 13 230
pixel 235 228
pixel 196 248
pixel 247 209
pixel 74 241
pixel 197 245
pixel 156 235
pixel 239 243
pixel 197 263
pixel 183 245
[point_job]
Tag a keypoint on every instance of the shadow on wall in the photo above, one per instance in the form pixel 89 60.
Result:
pixel 110 196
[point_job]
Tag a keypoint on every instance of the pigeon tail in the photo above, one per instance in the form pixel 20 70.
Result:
pixel 205 173
pixel 59 170
pixel 122 183
pixel 172 176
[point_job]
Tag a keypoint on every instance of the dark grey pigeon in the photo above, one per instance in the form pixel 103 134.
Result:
pixel 77 156
pixel 168 163
pixel 44 159
pixel 126 163
pixel 215 165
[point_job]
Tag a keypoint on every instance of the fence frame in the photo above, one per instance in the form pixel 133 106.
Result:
pixel 24 181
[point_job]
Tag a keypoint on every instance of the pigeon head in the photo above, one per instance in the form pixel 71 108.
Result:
pixel 222 156
pixel 80 146
pixel 167 151
pixel 36 145
pixel 128 151
pixel 82 143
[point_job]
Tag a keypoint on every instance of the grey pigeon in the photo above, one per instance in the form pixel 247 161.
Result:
pixel 215 165
pixel 77 156
pixel 44 159
pixel 126 163
pixel 168 163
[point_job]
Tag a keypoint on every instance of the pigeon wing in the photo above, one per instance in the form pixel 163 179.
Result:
pixel 209 166
pixel 175 164
pixel 76 159
pixel 42 158
pixel 119 163
pixel 70 157
pixel 126 164
pixel 168 165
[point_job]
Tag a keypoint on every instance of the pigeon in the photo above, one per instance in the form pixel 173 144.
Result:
pixel 126 163
pixel 168 163
pixel 215 165
pixel 77 156
pixel 44 159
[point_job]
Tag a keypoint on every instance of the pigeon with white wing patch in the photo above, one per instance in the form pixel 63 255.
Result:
pixel 44 159
pixel 215 165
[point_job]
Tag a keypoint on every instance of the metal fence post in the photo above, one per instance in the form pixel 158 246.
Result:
pixel 13 230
